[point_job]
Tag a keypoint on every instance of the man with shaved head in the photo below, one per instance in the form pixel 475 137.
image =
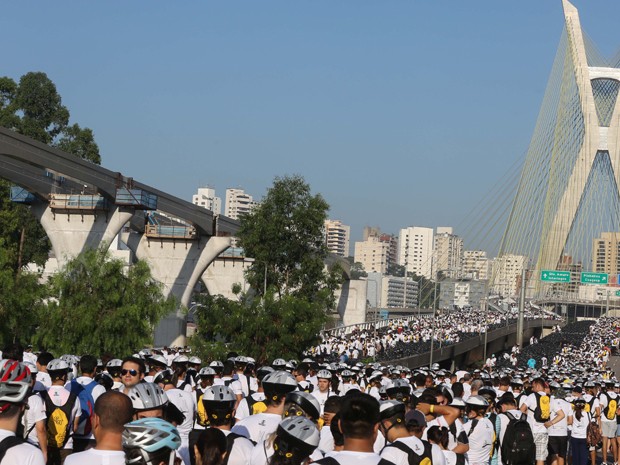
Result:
pixel 112 410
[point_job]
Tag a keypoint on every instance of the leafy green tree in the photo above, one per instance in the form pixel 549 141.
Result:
pixel 99 307
pixel 265 328
pixel 21 299
pixel 79 142
pixel 290 287
pixel 33 107
pixel 284 235
pixel 358 271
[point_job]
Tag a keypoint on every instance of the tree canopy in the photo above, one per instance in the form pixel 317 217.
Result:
pixel 98 307
pixel 33 107
pixel 290 287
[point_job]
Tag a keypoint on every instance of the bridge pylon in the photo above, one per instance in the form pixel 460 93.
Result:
pixel 568 193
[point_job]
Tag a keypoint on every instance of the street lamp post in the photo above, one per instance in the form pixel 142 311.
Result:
pixel 434 325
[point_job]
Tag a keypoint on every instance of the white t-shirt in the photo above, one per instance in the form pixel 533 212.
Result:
pixel 347 457
pixel 22 454
pixel 241 451
pixel 326 443
pixel 258 427
pixel 34 413
pixel 184 401
pixel 44 379
pixel 399 457
pixel 243 409
pixel 96 457
pixel 321 397
pixel 480 440
pixel 561 427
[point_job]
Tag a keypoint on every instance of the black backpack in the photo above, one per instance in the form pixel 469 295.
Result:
pixel 7 443
pixel 517 445
pixel 412 457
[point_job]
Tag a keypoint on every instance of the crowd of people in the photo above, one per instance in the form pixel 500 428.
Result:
pixel 412 336
pixel 169 407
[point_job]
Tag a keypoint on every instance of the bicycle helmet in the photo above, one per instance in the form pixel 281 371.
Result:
pixel 195 360
pixel 163 377
pixel 105 380
pixel 296 434
pixel 324 374
pixel 58 365
pixel 206 371
pixel 219 397
pixel 477 402
pixel 14 382
pixel 114 365
pixel 307 402
pixel 180 359
pixel 147 396
pixel 390 408
pixel 279 382
pixel 150 441
pixel 217 366
pixel 159 360
pixel 399 387
pixel 263 371
pixel 278 363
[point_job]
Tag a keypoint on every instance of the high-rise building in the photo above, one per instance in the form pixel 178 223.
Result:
pixel 461 293
pixel 606 253
pixel 448 253
pixel 337 237
pixel 205 197
pixel 372 254
pixel 238 203
pixel 415 250
pixel 506 276
pixel 475 264
pixel 393 293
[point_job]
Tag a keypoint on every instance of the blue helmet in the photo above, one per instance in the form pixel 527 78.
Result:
pixel 150 441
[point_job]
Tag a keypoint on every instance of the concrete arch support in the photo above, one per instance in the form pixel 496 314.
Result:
pixel 178 265
pixel 72 232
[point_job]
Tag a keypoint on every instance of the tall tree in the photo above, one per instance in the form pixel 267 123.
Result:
pixel 98 307
pixel 290 287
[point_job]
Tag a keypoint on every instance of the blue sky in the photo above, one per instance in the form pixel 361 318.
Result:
pixel 398 112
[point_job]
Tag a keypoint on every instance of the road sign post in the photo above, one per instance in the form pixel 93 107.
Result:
pixel 553 276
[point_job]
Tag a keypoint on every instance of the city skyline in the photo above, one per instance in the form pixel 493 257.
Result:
pixel 336 93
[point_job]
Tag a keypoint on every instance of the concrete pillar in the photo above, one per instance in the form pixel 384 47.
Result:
pixel 72 232
pixel 351 301
pixel 178 265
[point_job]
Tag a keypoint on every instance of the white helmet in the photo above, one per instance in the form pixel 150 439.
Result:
pixel 324 374
pixel 298 433
pixel 206 371
pixel 58 365
pixel 195 360
pixel 219 396
pixel 147 396
pixel 279 382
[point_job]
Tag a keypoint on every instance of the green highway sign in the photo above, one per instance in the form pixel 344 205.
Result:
pixel 553 276
pixel 594 278
pixel 618 293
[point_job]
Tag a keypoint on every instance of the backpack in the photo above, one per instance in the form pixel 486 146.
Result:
pixel 612 406
pixel 412 458
pixel 593 434
pixel 58 421
pixel 332 461
pixel 87 404
pixel 230 443
pixel 517 446
pixel 542 412
pixel 7 443
pixel 255 406
pixel 201 413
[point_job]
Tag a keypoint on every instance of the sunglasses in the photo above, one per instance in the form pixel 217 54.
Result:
pixel 131 372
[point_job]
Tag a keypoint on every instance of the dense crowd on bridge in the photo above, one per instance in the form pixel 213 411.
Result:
pixel 406 337
pixel 168 406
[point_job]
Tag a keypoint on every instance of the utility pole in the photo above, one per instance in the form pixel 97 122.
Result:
pixel 521 309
